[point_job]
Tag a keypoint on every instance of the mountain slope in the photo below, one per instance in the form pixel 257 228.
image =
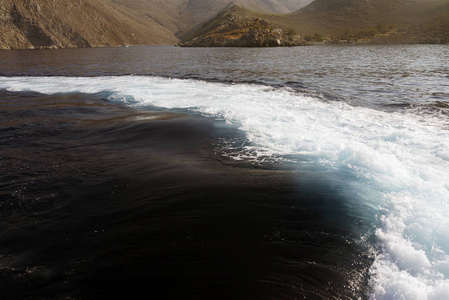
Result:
pixel 183 17
pixel 165 13
pixel 80 23
pixel 273 6
pixel 330 17
pixel 433 31
pixel 86 23
pixel 375 21
pixel 197 12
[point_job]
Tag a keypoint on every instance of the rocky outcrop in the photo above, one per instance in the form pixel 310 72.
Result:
pixel 236 27
pixel 196 12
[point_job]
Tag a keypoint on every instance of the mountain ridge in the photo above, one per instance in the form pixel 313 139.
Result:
pixel 37 24
pixel 26 24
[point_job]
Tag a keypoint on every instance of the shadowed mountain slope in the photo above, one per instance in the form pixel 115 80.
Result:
pixel 165 13
pixel 185 16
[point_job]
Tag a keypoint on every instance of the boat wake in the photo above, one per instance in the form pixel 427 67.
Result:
pixel 393 162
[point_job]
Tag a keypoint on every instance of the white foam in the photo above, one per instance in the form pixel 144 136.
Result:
pixel 397 161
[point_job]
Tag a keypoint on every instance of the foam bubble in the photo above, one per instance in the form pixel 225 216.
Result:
pixel 398 161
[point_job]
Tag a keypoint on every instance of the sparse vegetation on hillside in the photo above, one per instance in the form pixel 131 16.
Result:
pixel 435 31
pixel 290 32
pixel 314 38
pixel 238 27
pixel 367 33
pixel 368 19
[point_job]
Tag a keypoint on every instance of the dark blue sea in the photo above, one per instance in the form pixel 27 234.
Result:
pixel 160 172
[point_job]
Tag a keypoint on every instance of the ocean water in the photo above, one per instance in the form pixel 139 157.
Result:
pixel 308 172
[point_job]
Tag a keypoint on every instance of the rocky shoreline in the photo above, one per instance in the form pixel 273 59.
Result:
pixel 235 27
pixel 252 38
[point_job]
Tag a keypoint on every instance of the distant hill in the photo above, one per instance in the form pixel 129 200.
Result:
pixel 432 31
pixel 238 27
pixel 273 6
pixel 183 17
pixel 77 23
pixel 332 18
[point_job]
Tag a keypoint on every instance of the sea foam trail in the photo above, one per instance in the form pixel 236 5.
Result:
pixel 396 161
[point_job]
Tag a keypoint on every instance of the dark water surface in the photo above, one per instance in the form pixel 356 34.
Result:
pixel 104 198
pixel 99 204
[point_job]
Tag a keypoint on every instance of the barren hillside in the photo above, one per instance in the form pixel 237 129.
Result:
pixel 75 23
pixel 331 18
pixel 94 23
pixel 86 23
